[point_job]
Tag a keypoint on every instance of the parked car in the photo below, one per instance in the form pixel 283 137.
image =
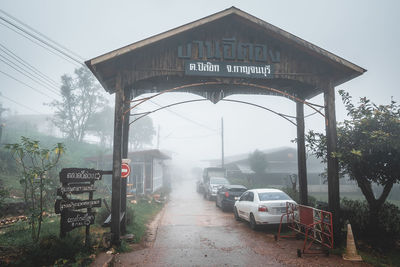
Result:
pixel 261 206
pixel 212 185
pixel 227 196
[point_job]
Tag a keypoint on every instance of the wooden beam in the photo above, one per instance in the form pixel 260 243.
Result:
pixel 116 177
pixel 333 166
pixel 125 144
pixel 301 154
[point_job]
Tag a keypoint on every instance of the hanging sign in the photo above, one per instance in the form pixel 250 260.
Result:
pixel 229 69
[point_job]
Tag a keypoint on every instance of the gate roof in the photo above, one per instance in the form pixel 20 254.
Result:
pixel 153 64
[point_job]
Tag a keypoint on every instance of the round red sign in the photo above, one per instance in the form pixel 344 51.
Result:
pixel 125 170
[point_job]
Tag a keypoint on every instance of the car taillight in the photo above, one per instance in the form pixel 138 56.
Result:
pixel 262 208
pixel 226 194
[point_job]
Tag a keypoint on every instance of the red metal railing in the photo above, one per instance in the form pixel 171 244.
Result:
pixel 314 224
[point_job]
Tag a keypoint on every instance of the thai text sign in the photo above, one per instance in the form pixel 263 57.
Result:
pixel 230 49
pixel 75 204
pixel 77 175
pixel 74 219
pixel 75 189
pixel 228 69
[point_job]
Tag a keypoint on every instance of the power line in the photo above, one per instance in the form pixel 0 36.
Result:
pixel 22 105
pixel 27 77
pixel 42 35
pixel 31 76
pixel 39 44
pixel 41 40
pixel 193 137
pixel 27 65
pixel 185 118
pixel 27 85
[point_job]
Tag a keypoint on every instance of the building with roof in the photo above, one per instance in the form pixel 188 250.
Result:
pixel 149 170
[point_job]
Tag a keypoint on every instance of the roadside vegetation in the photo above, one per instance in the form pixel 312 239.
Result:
pixel 30 162
pixel 368 152
pixel 19 249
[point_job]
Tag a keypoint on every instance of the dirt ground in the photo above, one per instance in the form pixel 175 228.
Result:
pixel 191 231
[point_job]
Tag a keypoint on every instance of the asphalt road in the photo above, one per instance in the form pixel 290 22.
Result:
pixel 194 232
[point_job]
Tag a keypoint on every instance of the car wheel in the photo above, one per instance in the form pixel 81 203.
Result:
pixel 224 207
pixel 235 212
pixel 253 224
pixel 205 196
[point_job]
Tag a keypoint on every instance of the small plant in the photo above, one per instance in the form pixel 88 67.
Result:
pixel 35 162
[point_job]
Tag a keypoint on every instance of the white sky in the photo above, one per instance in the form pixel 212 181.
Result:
pixel 364 32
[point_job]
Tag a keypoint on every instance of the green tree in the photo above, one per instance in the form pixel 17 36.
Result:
pixel 35 163
pixel 258 163
pixel 101 124
pixel 81 98
pixel 368 148
pixel 141 133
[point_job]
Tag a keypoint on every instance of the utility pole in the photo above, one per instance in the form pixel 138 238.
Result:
pixel 222 142
pixel 1 120
pixel 158 137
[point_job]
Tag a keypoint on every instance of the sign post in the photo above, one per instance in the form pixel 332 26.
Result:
pixel 77 181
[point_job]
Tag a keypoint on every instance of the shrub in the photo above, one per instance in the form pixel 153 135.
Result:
pixel 357 214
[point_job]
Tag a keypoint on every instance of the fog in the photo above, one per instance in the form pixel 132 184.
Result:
pixel 364 32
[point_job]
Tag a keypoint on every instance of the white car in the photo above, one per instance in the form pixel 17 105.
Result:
pixel 261 206
pixel 212 186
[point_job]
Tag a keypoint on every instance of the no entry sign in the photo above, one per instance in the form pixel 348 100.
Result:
pixel 125 170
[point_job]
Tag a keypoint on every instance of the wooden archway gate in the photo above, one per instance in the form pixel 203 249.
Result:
pixel 226 53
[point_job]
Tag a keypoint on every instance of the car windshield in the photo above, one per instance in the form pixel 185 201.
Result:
pixel 218 180
pixel 273 196
pixel 237 189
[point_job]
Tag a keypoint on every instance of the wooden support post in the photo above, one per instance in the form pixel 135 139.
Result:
pixel 125 143
pixel 87 230
pixel 301 154
pixel 116 176
pixel 333 166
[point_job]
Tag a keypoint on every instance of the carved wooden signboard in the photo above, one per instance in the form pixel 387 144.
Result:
pixel 75 204
pixel 74 219
pixel 77 181
pixel 79 175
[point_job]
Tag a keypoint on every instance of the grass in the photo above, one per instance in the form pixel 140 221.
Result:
pixel 13 187
pixel 387 259
pixel 17 247
pixel 143 212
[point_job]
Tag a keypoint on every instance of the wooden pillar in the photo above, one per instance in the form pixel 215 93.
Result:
pixel 333 167
pixel 125 143
pixel 301 154
pixel 116 176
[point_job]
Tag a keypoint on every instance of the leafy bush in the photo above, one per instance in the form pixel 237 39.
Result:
pixel 52 248
pixel 388 230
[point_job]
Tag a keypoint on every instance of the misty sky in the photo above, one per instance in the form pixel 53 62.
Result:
pixel 364 32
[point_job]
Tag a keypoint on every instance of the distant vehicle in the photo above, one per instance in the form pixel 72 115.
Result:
pixel 227 196
pixel 199 187
pixel 213 171
pixel 211 187
pixel 261 206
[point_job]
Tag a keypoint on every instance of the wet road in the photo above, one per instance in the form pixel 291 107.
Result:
pixel 194 232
